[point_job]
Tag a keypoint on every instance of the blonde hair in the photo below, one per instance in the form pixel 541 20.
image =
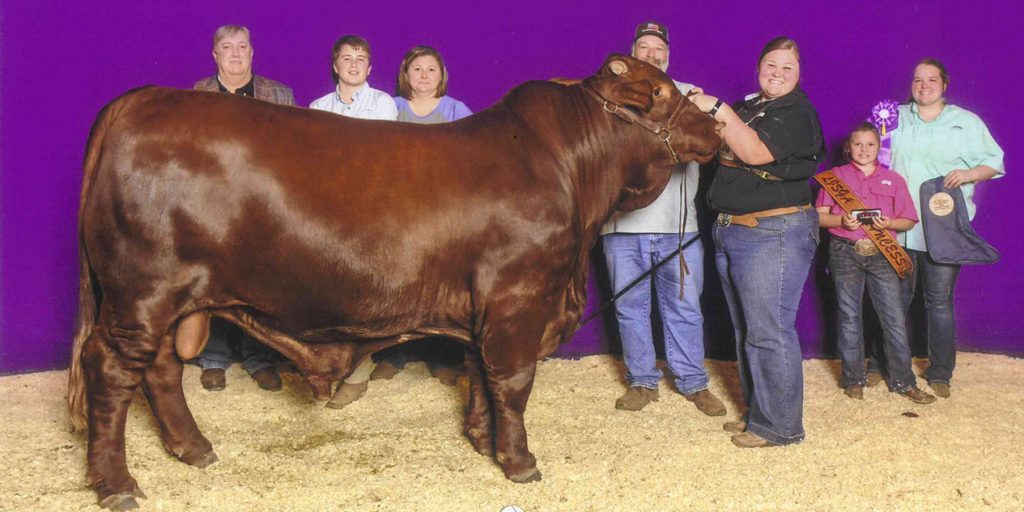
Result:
pixel 229 30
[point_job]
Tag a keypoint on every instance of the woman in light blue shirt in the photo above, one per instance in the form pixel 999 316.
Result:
pixel 937 139
pixel 422 88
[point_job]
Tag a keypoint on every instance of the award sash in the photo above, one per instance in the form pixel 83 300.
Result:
pixel 883 240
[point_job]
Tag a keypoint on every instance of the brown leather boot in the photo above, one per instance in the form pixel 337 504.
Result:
pixel 384 370
pixel 447 376
pixel 940 388
pixel 635 398
pixel 267 378
pixel 919 397
pixel 707 402
pixel 736 427
pixel 855 391
pixel 213 379
pixel 750 440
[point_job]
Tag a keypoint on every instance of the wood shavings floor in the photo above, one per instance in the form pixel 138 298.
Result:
pixel 400 448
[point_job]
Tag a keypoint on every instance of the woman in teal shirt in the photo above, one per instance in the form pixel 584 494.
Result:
pixel 937 139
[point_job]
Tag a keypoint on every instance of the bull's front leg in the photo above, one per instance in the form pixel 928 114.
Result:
pixel 510 384
pixel 178 430
pixel 478 423
pixel 110 385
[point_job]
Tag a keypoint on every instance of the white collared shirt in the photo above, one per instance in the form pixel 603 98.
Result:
pixel 367 103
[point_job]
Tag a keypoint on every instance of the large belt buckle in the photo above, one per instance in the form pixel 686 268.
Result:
pixel 865 247
pixel 724 219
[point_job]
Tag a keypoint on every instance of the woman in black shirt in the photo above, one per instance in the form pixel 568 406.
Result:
pixel 765 238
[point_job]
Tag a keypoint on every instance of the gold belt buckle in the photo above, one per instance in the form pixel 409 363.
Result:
pixel 865 247
pixel 724 219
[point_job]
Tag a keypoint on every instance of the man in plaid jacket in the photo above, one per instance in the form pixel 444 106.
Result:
pixel 232 51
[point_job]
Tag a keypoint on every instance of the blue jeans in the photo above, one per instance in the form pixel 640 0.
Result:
pixel 938 280
pixel 763 270
pixel 628 256
pixel 851 272
pixel 217 354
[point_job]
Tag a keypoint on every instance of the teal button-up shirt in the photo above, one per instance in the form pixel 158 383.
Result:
pixel 956 139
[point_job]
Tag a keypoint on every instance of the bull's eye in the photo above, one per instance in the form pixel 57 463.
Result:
pixel 657 92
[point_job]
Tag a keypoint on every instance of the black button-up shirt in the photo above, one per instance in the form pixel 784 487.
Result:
pixel 246 90
pixel 789 128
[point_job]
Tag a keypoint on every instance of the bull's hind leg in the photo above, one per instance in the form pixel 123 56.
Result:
pixel 178 430
pixel 111 381
pixel 478 424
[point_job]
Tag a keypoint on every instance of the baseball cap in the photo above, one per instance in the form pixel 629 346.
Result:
pixel 652 28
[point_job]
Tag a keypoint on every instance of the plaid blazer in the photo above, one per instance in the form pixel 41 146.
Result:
pixel 265 89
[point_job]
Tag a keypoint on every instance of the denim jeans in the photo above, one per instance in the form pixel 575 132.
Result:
pixel 217 354
pixel 629 255
pixel 763 270
pixel 851 272
pixel 938 281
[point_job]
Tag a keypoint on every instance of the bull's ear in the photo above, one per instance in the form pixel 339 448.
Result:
pixel 634 94
pixel 617 67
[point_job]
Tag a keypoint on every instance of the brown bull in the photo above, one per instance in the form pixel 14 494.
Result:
pixel 330 238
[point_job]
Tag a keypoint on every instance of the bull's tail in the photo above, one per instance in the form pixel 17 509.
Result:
pixel 77 401
pixel 88 302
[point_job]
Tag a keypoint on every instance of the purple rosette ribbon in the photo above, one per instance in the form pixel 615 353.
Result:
pixel 885 116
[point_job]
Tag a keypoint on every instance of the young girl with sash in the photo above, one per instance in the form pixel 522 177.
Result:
pixel 865 253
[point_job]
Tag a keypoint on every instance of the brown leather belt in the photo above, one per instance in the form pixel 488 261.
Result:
pixel 750 219
pixel 764 175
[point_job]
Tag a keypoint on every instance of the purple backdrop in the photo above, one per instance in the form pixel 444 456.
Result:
pixel 62 61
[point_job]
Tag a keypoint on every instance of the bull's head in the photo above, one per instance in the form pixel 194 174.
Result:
pixel 642 94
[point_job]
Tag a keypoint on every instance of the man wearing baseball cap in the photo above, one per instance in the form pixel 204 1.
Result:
pixel 637 240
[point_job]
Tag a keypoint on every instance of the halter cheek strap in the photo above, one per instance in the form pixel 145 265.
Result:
pixel 663 132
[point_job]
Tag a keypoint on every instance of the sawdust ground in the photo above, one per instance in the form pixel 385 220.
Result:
pixel 400 448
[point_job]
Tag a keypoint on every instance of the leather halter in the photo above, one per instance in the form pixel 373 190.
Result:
pixel 663 132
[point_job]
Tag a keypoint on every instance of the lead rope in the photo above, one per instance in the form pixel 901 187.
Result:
pixel 684 211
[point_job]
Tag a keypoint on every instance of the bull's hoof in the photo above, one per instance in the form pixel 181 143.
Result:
pixel 320 387
pixel 201 460
pixel 526 476
pixel 122 501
